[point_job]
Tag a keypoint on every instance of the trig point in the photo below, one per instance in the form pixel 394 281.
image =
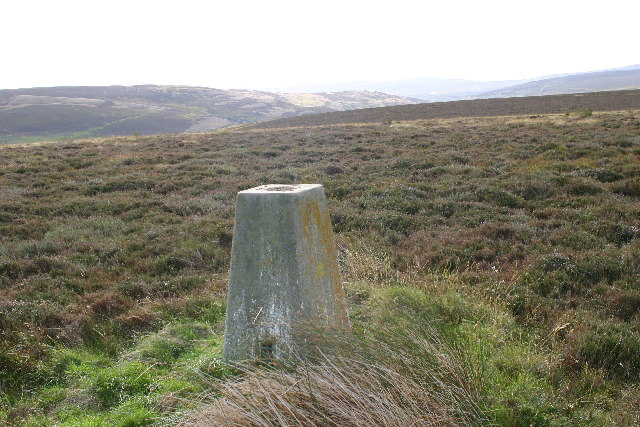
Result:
pixel 284 271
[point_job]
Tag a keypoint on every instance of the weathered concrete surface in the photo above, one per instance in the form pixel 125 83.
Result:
pixel 284 271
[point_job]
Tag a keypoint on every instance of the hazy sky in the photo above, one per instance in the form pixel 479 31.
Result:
pixel 272 43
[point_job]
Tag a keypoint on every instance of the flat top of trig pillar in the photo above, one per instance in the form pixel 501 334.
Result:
pixel 281 188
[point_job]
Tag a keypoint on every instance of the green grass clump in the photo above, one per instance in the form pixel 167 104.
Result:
pixel 612 346
pixel 172 342
pixel 158 374
pixel 115 385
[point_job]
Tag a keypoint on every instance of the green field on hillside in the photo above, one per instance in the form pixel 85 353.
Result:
pixel 498 256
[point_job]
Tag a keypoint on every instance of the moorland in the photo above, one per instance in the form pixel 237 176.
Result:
pixel 491 261
pixel 74 112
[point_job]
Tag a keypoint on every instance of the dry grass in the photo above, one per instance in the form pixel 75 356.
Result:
pixel 397 379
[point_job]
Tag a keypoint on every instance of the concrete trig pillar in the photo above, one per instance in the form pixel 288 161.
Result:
pixel 284 271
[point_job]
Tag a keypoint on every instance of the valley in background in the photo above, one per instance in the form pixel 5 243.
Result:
pixel 75 112
pixel 67 113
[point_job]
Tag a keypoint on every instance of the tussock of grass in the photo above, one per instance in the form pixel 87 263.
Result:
pixel 403 376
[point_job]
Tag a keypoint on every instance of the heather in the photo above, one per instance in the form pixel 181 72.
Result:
pixel 511 242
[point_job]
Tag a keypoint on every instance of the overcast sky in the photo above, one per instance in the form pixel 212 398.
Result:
pixel 272 43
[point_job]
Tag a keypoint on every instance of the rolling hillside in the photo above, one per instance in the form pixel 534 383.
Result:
pixel 428 89
pixel 75 112
pixel 433 89
pixel 575 83
pixel 67 113
pixel 596 101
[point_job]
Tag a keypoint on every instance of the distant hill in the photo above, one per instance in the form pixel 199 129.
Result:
pixel 574 83
pixel 435 89
pixel 431 89
pixel 574 103
pixel 88 111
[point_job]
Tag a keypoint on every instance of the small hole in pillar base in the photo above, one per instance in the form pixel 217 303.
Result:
pixel 266 350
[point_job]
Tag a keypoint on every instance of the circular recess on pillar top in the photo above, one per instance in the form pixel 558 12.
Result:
pixel 281 188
